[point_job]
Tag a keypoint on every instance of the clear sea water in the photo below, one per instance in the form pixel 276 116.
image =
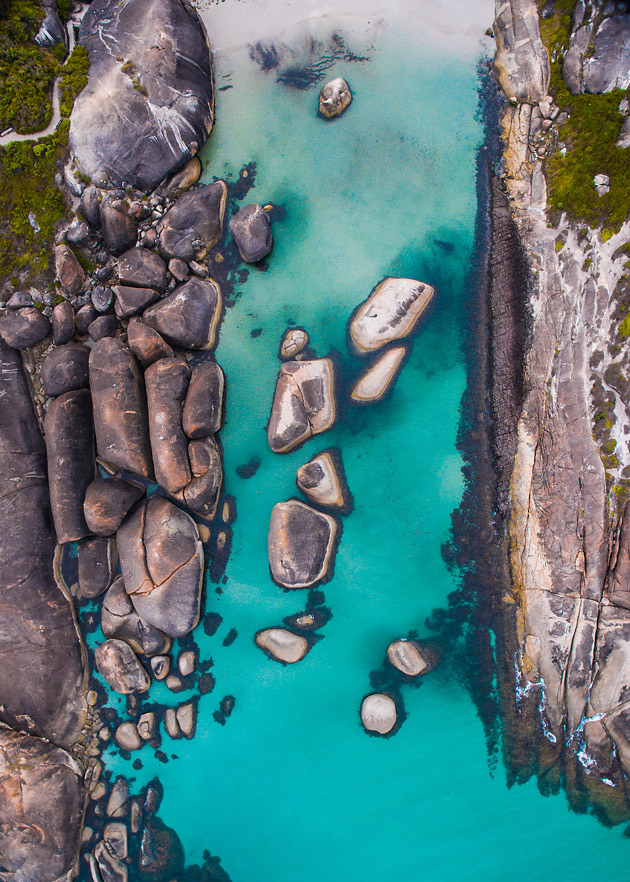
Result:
pixel 291 788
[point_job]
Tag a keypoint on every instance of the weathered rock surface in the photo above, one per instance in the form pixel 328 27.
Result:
pixel 97 561
pixel 84 318
pixel 166 384
pixel 71 465
pixel 318 479
pixel 120 620
pixel 390 313
pixel 106 504
pixel 194 224
pixel 118 229
pixel 103 326
pixel 120 411
pixel 51 31
pixel 183 179
pixel 41 805
pixel 203 408
pixel 41 687
pixel 303 403
pixel 201 494
pixel 377 380
pixel 127 737
pixel 151 58
pixel 521 60
pixel 132 301
pixel 118 664
pixel 334 97
pixel 189 316
pixel 69 270
pixel 598 57
pixel 161 559
pixel 293 342
pixel 146 344
pixel 142 268
pixel 65 369
pixel 282 645
pixel 407 656
pixel 251 230
pixel 160 665
pixel 301 544
pixel 62 321
pixel 23 328
pixel 378 713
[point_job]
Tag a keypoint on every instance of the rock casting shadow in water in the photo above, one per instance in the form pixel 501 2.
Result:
pixel 303 67
pixel 401 714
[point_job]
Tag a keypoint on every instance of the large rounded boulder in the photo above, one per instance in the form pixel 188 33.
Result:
pixel 194 224
pixel 118 664
pixel 390 313
pixel 189 316
pixel 301 544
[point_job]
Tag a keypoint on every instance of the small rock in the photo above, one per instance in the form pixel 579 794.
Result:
pixel 102 298
pixel 103 273
pixel 293 342
pixel 146 726
pixel 251 230
pixel 186 663
pixel 201 495
pixel 69 271
pixel 131 301
pixel 127 737
pixel 107 502
pixel 334 97
pixel 377 380
pixel 115 839
pixel 119 230
pixel 90 204
pixel 19 300
pixel 170 723
pixel 135 820
pixel 602 184
pixel 178 269
pixel 378 713
pixel 118 802
pixel 186 719
pixel 146 344
pixel 174 683
pixel 96 567
pixel 118 664
pixel 142 268
pixel 391 312
pixel 624 135
pixel 84 318
pixel 65 368
pixel 103 326
pixel 318 479
pixel 407 657
pixel 203 408
pixel 198 269
pixel 150 238
pixel 23 328
pixel 78 232
pixel 282 645
pixel 160 665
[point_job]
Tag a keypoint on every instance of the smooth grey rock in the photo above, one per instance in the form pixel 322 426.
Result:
pixel 378 379
pixel 178 269
pixel 303 403
pixel 186 662
pixel 318 479
pixel 19 300
pixel 147 726
pixel 131 301
pixel 378 713
pixel 77 232
pixel 65 368
pixel 161 559
pixel 118 802
pixel 194 224
pixel 102 298
pixel 23 328
pixel 624 135
pixel 69 271
pixel 166 384
pixel 183 179
pixel 251 230
pixel 142 268
pixel 97 560
pixel 118 664
pixel 127 737
pixel 146 344
pixel 151 58
pixel 186 715
pixel 51 31
pixel 84 318
pixel 91 206
pixel 116 840
pixel 301 544
pixel 170 723
pixel 120 620
pixel 521 59
pixel 203 408
pixel 189 316
pixel 334 97
pixel 293 342
pixel 390 313
pixel 103 326
pixel 107 502
pixel 282 645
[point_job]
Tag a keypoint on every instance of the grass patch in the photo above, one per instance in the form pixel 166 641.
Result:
pixel 624 328
pixel 74 79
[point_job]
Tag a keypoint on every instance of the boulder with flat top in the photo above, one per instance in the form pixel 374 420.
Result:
pixel 390 313
pixel 301 544
pixel 189 316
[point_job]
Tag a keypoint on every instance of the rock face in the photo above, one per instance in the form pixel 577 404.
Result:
pixel 203 409
pixel 189 316
pixel 303 403
pixel 161 559
pixel 251 230
pixel 166 383
pixel 521 60
pixel 390 313
pixel 120 620
pixel 376 381
pixel 406 655
pixel 41 805
pixel 334 97
pixel 120 411
pixel 282 645
pixel 65 369
pixel 146 344
pixel 24 328
pixel 318 479
pixel 107 503
pixel 378 713
pixel 301 544
pixel 598 57
pixel 117 663
pixel 142 268
pixel 193 225
pixel 163 80
pixel 41 688
pixel 71 466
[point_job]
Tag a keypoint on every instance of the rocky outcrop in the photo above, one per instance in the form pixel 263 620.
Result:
pixel 41 806
pixel 41 688
pixel 282 645
pixel 161 559
pixel 148 104
pixel 390 313
pixel 188 317
pixel 521 60
pixel 378 713
pixel 377 380
pixel 301 544
pixel 334 97
pixel 598 57
pixel 251 230
pixel 303 403
pixel 194 224
pixel 120 620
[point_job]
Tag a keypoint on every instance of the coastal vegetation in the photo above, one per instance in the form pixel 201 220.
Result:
pixel 74 79
pixel 587 140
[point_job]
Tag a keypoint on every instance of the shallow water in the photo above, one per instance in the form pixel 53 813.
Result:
pixel 291 787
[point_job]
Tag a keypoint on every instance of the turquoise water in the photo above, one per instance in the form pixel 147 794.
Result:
pixel 291 787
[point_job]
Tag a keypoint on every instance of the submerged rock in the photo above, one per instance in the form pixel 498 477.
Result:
pixel 303 403
pixel 65 368
pixel 251 230
pixel 293 342
pixel 377 380
pixel 390 313
pixel 107 503
pixel 161 559
pixel 318 479
pixel 282 645
pixel 194 224
pixel 41 807
pixel 151 58
pixel 120 620
pixel 189 316
pixel 301 544
pixel 407 656
pixel 146 344
pixel 120 410
pixel 334 97
pixel 166 383
pixel 378 713
pixel 118 664
pixel 24 327
pixel 203 409
pixel 71 466
pixel 142 268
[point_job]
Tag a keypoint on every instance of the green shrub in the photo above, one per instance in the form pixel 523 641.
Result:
pixel 74 79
